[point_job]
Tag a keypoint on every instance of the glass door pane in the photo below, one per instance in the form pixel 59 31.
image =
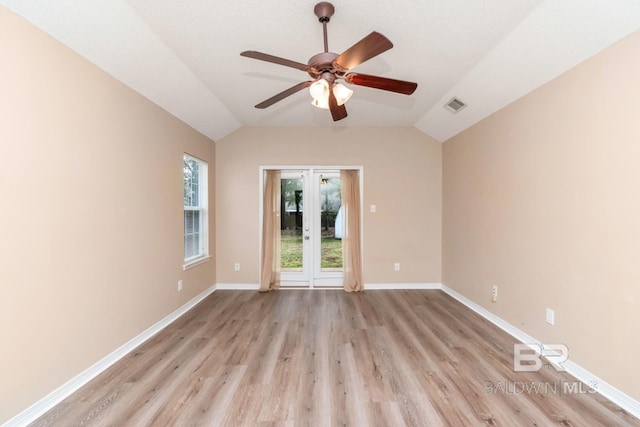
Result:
pixel 327 229
pixel 291 224
pixel 331 225
pixel 294 229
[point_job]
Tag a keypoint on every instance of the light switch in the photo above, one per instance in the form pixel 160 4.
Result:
pixel 373 208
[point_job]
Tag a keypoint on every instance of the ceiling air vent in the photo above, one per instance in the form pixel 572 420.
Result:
pixel 455 105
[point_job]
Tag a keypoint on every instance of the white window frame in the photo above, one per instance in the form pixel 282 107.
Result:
pixel 203 208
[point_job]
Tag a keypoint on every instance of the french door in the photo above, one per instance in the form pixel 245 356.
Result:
pixel 310 228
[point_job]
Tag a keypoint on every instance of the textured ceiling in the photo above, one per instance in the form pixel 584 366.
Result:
pixel 184 55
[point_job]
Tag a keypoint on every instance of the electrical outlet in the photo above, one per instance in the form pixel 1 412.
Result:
pixel 550 316
pixel 494 293
pixel 179 285
pixel 396 266
pixel 236 266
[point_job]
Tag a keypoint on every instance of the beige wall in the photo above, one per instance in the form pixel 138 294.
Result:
pixel 543 200
pixel 402 177
pixel 91 219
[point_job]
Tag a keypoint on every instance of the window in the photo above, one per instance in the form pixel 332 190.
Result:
pixel 196 245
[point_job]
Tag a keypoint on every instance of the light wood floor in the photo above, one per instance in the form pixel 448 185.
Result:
pixel 297 358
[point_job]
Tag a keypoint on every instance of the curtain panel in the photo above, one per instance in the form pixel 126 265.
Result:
pixel 351 248
pixel 270 272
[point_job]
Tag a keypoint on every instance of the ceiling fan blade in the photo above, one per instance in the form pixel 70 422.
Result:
pixel 398 86
pixel 274 59
pixel 338 112
pixel 282 95
pixel 372 45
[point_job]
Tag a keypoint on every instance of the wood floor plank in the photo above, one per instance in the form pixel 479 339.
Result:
pixel 406 391
pixel 369 366
pixel 329 358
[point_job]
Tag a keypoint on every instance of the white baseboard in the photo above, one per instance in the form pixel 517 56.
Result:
pixel 237 286
pixel 39 408
pixel 621 399
pixel 367 286
pixel 505 326
pixel 401 286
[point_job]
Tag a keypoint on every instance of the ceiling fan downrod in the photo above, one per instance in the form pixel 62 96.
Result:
pixel 324 11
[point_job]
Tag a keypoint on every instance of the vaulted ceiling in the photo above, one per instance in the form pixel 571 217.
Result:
pixel 184 54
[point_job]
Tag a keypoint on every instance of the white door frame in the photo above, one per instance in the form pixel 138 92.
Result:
pixel 329 280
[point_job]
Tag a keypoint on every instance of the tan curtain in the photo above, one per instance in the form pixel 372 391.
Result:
pixel 351 252
pixel 270 277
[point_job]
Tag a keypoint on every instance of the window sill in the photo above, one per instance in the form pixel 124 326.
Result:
pixel 192 263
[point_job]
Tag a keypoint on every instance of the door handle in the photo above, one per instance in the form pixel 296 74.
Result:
pixel 306 237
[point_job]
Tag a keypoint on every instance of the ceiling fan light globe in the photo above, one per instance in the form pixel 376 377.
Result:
pixel 342 93
pixel 319 89
pixel 321 103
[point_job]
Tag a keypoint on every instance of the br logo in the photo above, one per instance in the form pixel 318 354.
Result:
pixel 528 357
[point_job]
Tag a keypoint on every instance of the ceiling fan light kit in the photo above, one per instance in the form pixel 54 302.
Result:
pixel 320 93
pixel 326 68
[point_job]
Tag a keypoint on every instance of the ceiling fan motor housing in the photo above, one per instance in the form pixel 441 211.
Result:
pixel 324 11
pixel 321 63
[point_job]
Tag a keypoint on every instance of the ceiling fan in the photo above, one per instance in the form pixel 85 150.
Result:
pixel 327 68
